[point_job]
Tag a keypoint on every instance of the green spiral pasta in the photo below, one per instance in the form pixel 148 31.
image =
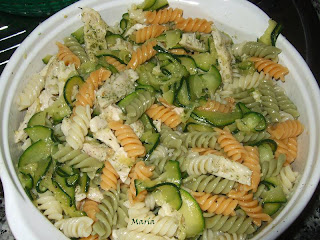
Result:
pixel 107 216
pixel 245 137
pixel 170 138
pixel 261 189
pixel 256 49
pixel 122 211
pixel 229 224
pixel 200 139
pixel 246 97
pixel 135 109
pixel 159 158
pixel 209 234
pixel 208 184
pixel 77 159
pixel 284 102
pixel 76 48
pixel 273 167
pixel 269 101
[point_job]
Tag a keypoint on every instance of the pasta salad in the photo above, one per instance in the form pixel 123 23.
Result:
pixel 159 127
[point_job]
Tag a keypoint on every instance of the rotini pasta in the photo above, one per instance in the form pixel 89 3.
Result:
pixel 248 99
pixel 250 206
pixel 208 184
pixel 51 207
pixel 77 159
pixel 75 227
pixel 284 102
pixel 95 237
pixel 124 234
pixel 76 48
pixel 288 179
pixel 67 56
pixel 287 129
pixel 230 145
pixel 178 51
pixel 79 127
pixel 245 137
pixel 166 115
pixel 109 177
pixel 210 234
pixel 142 54
pixel 170 138
pixel 163 16
pixel 107 216
pixel 252 162
pixel 274 70
pixel 273 167
pixel 256 49
pixel 128 139
pixel 194 25
pixel 206 151
pixel 86 94
pixel 122 212
pixel 288 147
pixel 248 81
pixel 91 209
pixel 148 32
pixel 230 224
pixel 199 139
pixel 114 62
pixel 135 109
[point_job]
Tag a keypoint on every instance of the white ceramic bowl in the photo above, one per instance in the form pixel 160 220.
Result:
pixel 237 18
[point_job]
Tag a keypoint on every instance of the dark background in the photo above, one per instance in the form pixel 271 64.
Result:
pixel 301 28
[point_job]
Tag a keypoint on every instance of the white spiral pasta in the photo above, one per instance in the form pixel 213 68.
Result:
pixel 125 234
pixel 218 166
pixel 288 178
pixel 285 116
pixel 141 219
pixel 79 127
pixel 150 201
pixel 51 207
pixel 75 227
pixel 247 82
pixel 209 234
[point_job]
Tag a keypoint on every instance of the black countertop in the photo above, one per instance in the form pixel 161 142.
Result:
pixel 302 29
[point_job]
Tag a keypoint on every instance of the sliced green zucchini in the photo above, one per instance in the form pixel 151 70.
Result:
pixel 211 80
pixel 148 88
pixel 167 193
pixel 203 61
pixel 146 4
pixel 274 195
pixel 123 24
pixel 29 160
pixel 273 181
pixel 123 56
pixel 192 213
pixel 169 95
pixel 271 34
pixel 103 62
pixel 38 118
pixel 159 4
pixel 194 127
pixel 84 182
pixel 150 141
pixel 70 191
pixel 39 174
pixel 59 110
pixel 112 39
pixel 142 185
pixel 265 152
pixel 251 122
pixel 271 208
pixel 71 88
pixel 243 108
pixel 79 35
pixel 272 144
pixel 46 59
pixel 65 170
pixel 37 133
pixel 183 96
pixel 189 63
pixel 172 173
pixel 72 180
pixel 148 123
pixel 26 180
pixel 213 51
pixel 173 37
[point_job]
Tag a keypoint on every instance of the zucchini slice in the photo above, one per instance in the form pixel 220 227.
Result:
pixel 271 208
pixel 252 122
pixel 84 182
pixel 146 4
pixel 172 173
pixel 182 98
pixel 42 169
pixel 38 118
pixel 271 34
pixel 37 133
pixel 189 63
pixel 167 193
pixel 159 4
pixel 70 89
pixel 193 219
pixel 203 61
pixel 150 141
pixel 59 110
pixel 79 35
pixel 274 195
pixel 46 59
pixel 148 123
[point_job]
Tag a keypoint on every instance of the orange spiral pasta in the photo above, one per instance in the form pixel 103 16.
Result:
pixel 114 62
pixel 128 139
pixel 166 115
pixel 178 51
pixel 249 205
pixel 252 162
pixel 67 56
pixel 194 25
pixel 234 150
pixel 142 54
pixel 86 94
pixel 215 203
pixel 287 129
pixel 163 16
pixel 215 106
pixel 148 32
pixel 94 237
pixel 91 209
pixel 275 70
pixel 206 151
pixel 288 147
pixel 139 171
pixel 109 177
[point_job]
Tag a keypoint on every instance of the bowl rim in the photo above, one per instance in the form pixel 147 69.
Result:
pixel 9 177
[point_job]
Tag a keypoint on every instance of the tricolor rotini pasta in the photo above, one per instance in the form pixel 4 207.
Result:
pixel 161 127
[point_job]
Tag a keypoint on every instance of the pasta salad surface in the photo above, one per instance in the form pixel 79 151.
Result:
pixel 159 127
